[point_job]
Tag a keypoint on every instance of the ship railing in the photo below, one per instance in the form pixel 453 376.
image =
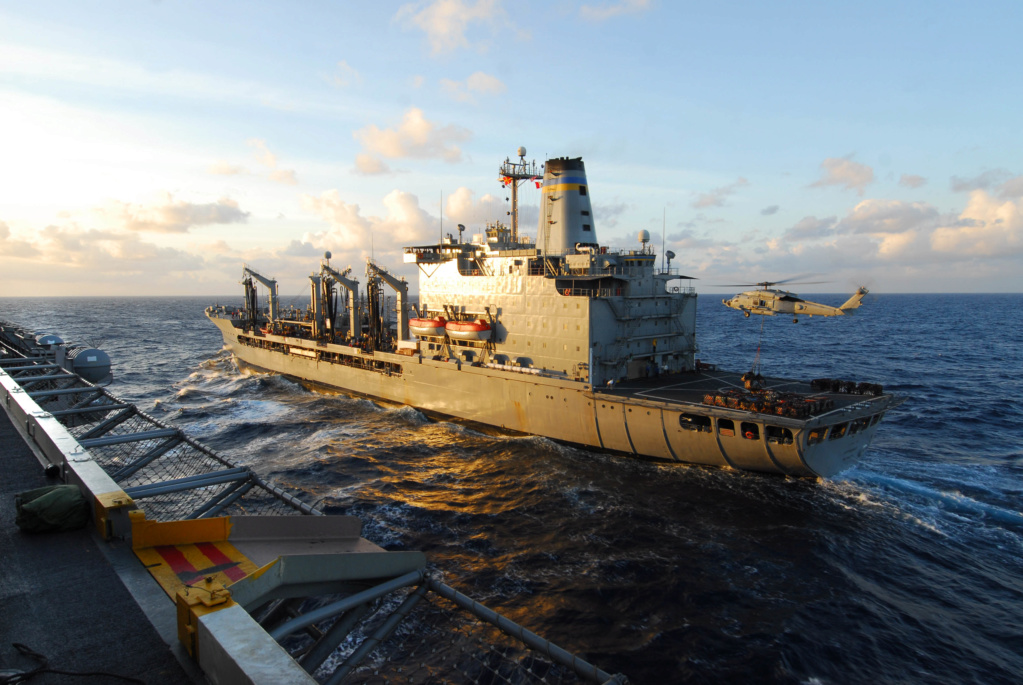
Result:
pixel 409 628
pixel 170 474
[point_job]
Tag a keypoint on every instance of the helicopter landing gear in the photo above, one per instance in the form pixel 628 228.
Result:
pixel 795 320
pixel 747 314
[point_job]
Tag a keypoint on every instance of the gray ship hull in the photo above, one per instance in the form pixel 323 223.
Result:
pixel 660 418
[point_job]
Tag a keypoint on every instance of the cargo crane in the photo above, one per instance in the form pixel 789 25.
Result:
pixel 400 287
pixel 349 284
pixel 250 295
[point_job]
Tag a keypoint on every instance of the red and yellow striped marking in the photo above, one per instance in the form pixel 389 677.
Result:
pixel 183 554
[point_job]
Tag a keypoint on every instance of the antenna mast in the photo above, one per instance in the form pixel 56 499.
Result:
pixel 513 173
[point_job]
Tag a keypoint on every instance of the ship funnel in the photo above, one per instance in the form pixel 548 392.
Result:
pixel 566 219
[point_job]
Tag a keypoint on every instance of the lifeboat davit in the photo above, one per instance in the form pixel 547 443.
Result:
pixel 468 330
pixel 421 327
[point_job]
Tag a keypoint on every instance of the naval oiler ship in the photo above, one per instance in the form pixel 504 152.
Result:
pixel 559 337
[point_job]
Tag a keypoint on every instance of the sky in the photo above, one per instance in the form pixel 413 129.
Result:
pixel 154 148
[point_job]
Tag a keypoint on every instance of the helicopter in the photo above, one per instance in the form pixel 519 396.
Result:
pixel 769 302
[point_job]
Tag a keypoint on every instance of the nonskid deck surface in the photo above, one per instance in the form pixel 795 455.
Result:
pixel 691 388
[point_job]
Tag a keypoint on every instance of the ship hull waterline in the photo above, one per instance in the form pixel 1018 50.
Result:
pixel 567 412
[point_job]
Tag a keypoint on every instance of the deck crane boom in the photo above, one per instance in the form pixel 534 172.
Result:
pixel 352 286
pixel 400 288
pixel 271 285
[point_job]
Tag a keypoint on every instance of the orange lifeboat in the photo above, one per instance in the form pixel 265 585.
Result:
pixel 421 327
pixel 468 330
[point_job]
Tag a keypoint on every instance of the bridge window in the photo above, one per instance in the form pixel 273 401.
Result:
pixel 750 431
pixel 582 190
pixel 586 212
pixel 815 436
pixel 726 427
pixel 694 422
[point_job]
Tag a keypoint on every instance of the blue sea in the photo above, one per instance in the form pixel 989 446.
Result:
pixel 906 569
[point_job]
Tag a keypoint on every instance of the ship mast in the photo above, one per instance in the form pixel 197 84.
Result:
pixel 513 173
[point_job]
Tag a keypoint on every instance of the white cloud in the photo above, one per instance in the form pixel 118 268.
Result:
pixel 404 223
pixel 842 171
pixel 986 228
pixel 75 254
pixel 170 216
pixel 369 165
pixel 446 22
pixel 479 83
pixel 414 137
pixel 717 197
pixel 12 247
pixel 463 207
pixel 609 10
pixel 888 216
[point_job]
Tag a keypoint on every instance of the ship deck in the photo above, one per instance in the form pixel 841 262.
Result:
pixel 691 388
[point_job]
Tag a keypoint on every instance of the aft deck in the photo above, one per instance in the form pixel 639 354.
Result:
pixel 692 388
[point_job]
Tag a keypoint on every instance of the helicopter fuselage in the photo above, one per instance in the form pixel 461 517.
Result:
pixel 768 302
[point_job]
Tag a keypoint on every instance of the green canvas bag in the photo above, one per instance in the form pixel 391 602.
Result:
pixel 50 509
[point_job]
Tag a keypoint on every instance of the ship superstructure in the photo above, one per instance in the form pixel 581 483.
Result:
pixel 561 337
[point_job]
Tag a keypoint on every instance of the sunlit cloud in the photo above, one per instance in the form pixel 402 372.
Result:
pixel 168 215
pixel 353 237
pixel 447 23
pixel 888 216
pixel 988 227
pixel 842 171
pixel 414 137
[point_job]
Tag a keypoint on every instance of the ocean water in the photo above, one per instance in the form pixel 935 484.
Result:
pixel 907 568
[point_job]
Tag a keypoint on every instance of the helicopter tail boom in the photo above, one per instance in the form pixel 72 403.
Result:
pixel 855 301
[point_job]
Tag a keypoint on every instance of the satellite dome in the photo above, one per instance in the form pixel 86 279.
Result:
pixel 644 237
pixel 521 151
pixel 47 340
pixel 91 364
